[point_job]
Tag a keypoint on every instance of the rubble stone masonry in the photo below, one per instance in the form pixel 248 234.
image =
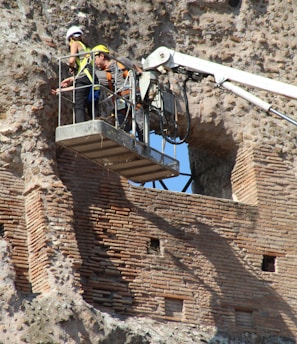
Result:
pixel 77 240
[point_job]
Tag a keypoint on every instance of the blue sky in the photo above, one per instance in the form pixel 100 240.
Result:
pixel 175 183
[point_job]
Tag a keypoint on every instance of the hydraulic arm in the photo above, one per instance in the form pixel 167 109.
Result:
pixel 223 76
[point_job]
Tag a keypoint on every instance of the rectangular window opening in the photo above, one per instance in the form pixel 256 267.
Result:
pixel 174 307
pixel 2 230
pixel 244 318
pixel 154 246
pixel 268 263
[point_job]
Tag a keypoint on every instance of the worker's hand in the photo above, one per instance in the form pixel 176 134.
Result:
pixel 71 70
pixel 67 82
pixel 64 83
pixel 54 92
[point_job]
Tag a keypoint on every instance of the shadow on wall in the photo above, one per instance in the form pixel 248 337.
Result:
pixel 112 232
pixel 230 292
pixel 97 197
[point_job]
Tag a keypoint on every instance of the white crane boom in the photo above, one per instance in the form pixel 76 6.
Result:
pixel 170 59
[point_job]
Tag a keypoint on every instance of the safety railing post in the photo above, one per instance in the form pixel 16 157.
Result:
pixel 60 93
pixel 93 85
pixel 133 99
pixel 146 128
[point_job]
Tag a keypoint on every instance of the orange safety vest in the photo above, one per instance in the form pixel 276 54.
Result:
pixel 125 73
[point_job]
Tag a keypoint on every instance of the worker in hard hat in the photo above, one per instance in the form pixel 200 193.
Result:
pixel 103 62
pixel 79 63
pixel 111 74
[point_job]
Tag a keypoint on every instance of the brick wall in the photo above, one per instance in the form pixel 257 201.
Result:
pixel 174 256
pixel 54 259
pixel 186 257
pixel 13 227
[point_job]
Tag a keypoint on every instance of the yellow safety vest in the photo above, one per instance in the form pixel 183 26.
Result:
pixel 82 61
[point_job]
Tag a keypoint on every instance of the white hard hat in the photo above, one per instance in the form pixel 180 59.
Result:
pixel 72 31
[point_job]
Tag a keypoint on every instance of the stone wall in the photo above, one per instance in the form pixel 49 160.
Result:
pixel 224 257
pixel 173 256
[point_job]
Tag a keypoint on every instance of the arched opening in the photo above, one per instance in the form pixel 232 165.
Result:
pixel 212 154
pixel 211 172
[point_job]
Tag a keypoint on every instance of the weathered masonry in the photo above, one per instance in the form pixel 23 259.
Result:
pixel 174 256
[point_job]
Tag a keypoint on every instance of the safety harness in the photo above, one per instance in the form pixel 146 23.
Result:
pixel 83 61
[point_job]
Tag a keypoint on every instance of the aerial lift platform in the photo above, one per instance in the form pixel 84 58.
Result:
pixel 110 146
pixel 116 150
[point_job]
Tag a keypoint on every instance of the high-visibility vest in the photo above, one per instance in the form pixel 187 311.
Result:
pixel 82 61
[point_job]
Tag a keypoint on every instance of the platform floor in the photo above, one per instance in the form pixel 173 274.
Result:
pixel 116 150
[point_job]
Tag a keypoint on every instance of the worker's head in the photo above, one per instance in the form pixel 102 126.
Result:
pixel 74 32
pixel 101 53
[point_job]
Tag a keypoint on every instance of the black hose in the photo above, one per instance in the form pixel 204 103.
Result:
pixel 166 137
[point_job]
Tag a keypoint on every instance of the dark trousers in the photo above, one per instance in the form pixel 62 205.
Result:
pixel 82 90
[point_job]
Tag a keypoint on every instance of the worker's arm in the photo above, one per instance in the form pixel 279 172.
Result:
pixel 74 48
pixel 65 86
pixel 57 90
pixel 67 82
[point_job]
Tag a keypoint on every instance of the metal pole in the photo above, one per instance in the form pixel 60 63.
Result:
pixel 255 100
pixel 93 86
pixel 163 184
pixel 146 128
pixel 60 93
pixel 283 116
pixel 132 90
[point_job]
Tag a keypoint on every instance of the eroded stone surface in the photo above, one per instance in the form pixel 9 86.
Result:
pixel 257 36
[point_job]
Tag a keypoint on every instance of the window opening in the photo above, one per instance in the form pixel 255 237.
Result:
pixel 180 183
pixel 2 230
pixel 244 318
pixel 174 307
pixel 154 246
pixel 268 263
